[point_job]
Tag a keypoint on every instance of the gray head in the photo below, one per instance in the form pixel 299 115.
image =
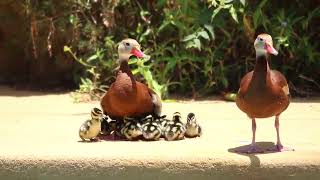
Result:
pixel 264 45
pixel 129 47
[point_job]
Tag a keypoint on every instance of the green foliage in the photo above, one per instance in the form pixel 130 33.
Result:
pixel 196 47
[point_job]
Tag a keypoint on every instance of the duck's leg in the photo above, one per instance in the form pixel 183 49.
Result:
pixel 252 148
pixel 279 147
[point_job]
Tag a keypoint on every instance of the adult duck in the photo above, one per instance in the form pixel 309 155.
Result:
pixel 263 92
pixel 126 96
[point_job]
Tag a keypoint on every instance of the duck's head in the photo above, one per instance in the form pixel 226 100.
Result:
pixel 129 47
pixel 264 45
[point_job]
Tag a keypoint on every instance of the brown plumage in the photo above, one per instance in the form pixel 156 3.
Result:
pixel 263 92
pixel 126 96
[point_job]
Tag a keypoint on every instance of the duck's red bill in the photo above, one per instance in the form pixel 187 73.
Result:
pixel 137 53
pixel 270 49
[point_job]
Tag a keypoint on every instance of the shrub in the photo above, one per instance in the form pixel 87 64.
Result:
pixel 196 47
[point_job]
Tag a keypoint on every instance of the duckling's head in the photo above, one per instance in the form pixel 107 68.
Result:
pixel 191 118
pixel 129 47
pixel 96 113
pixel 176 116
pixel 264 45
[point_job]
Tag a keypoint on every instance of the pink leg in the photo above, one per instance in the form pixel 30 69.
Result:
pixel 252 148
pixel 279 147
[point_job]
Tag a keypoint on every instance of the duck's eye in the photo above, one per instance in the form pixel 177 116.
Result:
pixel 127 44
pixel 260 39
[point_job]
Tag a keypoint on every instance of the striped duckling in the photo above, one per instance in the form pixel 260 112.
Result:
pixel 175 129
pixel 107 126
pixel 193 129
pixel 151 129
pixel 132 129
pixel 91 128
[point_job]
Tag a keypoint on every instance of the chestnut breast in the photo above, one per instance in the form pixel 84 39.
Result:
pixel 262 99
pixel 127 97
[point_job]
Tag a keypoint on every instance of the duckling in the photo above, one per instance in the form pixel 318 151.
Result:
pixel 106 128
pixel 193 129
pixel 119 124
pixel 175 129
pixel 151 129
pixel 162 121
pixel 132 129
pixel 90 129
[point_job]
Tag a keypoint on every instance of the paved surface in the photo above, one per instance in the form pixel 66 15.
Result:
pixel 39 140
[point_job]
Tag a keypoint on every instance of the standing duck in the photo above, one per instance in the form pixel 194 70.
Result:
pixel 263 92
pixel 127 97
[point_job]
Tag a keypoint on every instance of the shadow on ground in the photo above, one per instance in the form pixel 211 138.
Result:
pixel 254 160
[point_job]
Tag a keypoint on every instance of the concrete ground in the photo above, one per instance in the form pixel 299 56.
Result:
pixel 39 140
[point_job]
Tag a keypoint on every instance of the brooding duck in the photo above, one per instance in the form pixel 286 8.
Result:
pixel 90 129
pixel 263 92
pixel 126 96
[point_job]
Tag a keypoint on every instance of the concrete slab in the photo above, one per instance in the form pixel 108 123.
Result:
pixel 39 140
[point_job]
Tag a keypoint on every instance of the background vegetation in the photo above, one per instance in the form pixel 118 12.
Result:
pixel 197 47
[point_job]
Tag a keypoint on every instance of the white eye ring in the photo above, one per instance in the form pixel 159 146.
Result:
pixel 260 39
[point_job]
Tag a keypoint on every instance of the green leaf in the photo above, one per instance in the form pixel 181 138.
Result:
pixel 146 58
pixel 243 2
pixel 215 12
pixel 228 1
pixel 262 4
pixel 135 71
pixel 214 3
pixel 197 43
pixel 93 57
pixel 189 37
pixel 163 26
pixel 256 18
pixel 204 34
pixel 146 33
pixel 72 19
pixel 170 65
pixel 233 13
pixel 209 28
pixel 228 6
pixel 66 49
pixel 133 61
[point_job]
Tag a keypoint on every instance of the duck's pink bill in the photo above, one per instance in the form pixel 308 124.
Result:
pixel 270 49
pixel 137 53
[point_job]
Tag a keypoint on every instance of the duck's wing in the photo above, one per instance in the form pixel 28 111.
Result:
pixel 156 101
pixel 244 84
pixel 279 80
